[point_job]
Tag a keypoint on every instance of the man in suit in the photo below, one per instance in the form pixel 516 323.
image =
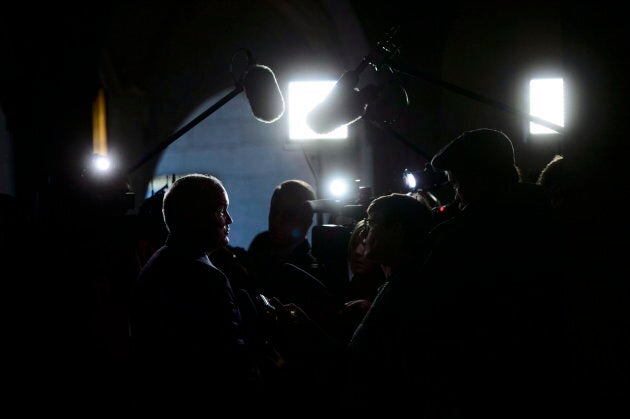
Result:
pixel 188 342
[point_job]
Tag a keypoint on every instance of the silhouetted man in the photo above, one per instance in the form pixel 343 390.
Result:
pixel 189 351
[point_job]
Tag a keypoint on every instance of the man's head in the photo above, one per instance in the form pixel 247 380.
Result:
pixel 397 224
pixel 290 215
pixel 195 210
pixel 556 180
pixel 477 161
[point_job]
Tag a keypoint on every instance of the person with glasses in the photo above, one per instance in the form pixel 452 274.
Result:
pixel 395 231
pixel 366 275
pixel 365 279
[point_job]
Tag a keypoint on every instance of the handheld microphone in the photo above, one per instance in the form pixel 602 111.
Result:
pixel 263 93
pixel 344 104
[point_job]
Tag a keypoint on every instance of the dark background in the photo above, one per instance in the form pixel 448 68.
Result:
pixel 56 56
pixel 67 311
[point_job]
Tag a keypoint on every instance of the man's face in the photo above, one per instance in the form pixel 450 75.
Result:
pixel 454 182
pixel 289 226
pixel 215 224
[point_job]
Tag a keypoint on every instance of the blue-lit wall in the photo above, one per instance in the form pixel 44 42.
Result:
pixel 249 156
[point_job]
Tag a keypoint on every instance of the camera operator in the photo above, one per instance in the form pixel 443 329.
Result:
pixel 285 241
pixel 285 269
pixel 281 258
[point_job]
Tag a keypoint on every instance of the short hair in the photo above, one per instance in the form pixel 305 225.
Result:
pixel 290 195
pixel 187 198
pixel 561 181
pixel 552 174
pixel 415 215
pixel 485 152
pixel 357 235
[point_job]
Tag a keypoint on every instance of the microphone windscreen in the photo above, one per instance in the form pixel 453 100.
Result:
pixel 263 93
pixel 332 114
pixel 341 106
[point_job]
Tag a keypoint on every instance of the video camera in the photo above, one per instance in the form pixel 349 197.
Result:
pixel 425 183
pixel 330 240
pixel 426 180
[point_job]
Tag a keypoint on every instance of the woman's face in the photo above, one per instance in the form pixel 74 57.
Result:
pixel 359 264
pixel 380 241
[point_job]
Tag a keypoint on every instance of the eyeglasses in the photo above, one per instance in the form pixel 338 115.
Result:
pixel 368 224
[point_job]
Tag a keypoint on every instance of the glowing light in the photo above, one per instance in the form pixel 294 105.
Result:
pixel 303 97
pixel 546 101
pixel 339 188
pixel 410 180
pixel 101 163
pixel 99 125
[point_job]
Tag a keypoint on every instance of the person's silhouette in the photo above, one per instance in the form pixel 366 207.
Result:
pixel 188 342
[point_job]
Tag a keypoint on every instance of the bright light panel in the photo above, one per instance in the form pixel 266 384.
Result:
pixel 303 97
pixel 546 101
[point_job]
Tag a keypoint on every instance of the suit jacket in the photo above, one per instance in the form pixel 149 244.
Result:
pixel 187 337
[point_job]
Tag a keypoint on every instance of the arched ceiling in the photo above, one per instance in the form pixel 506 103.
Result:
pixel 159 60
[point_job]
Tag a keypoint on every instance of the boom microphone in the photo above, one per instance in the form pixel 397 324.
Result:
pixel 263 93
pixel 344 105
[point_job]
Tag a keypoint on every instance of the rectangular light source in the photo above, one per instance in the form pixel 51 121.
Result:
pixel 546 101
